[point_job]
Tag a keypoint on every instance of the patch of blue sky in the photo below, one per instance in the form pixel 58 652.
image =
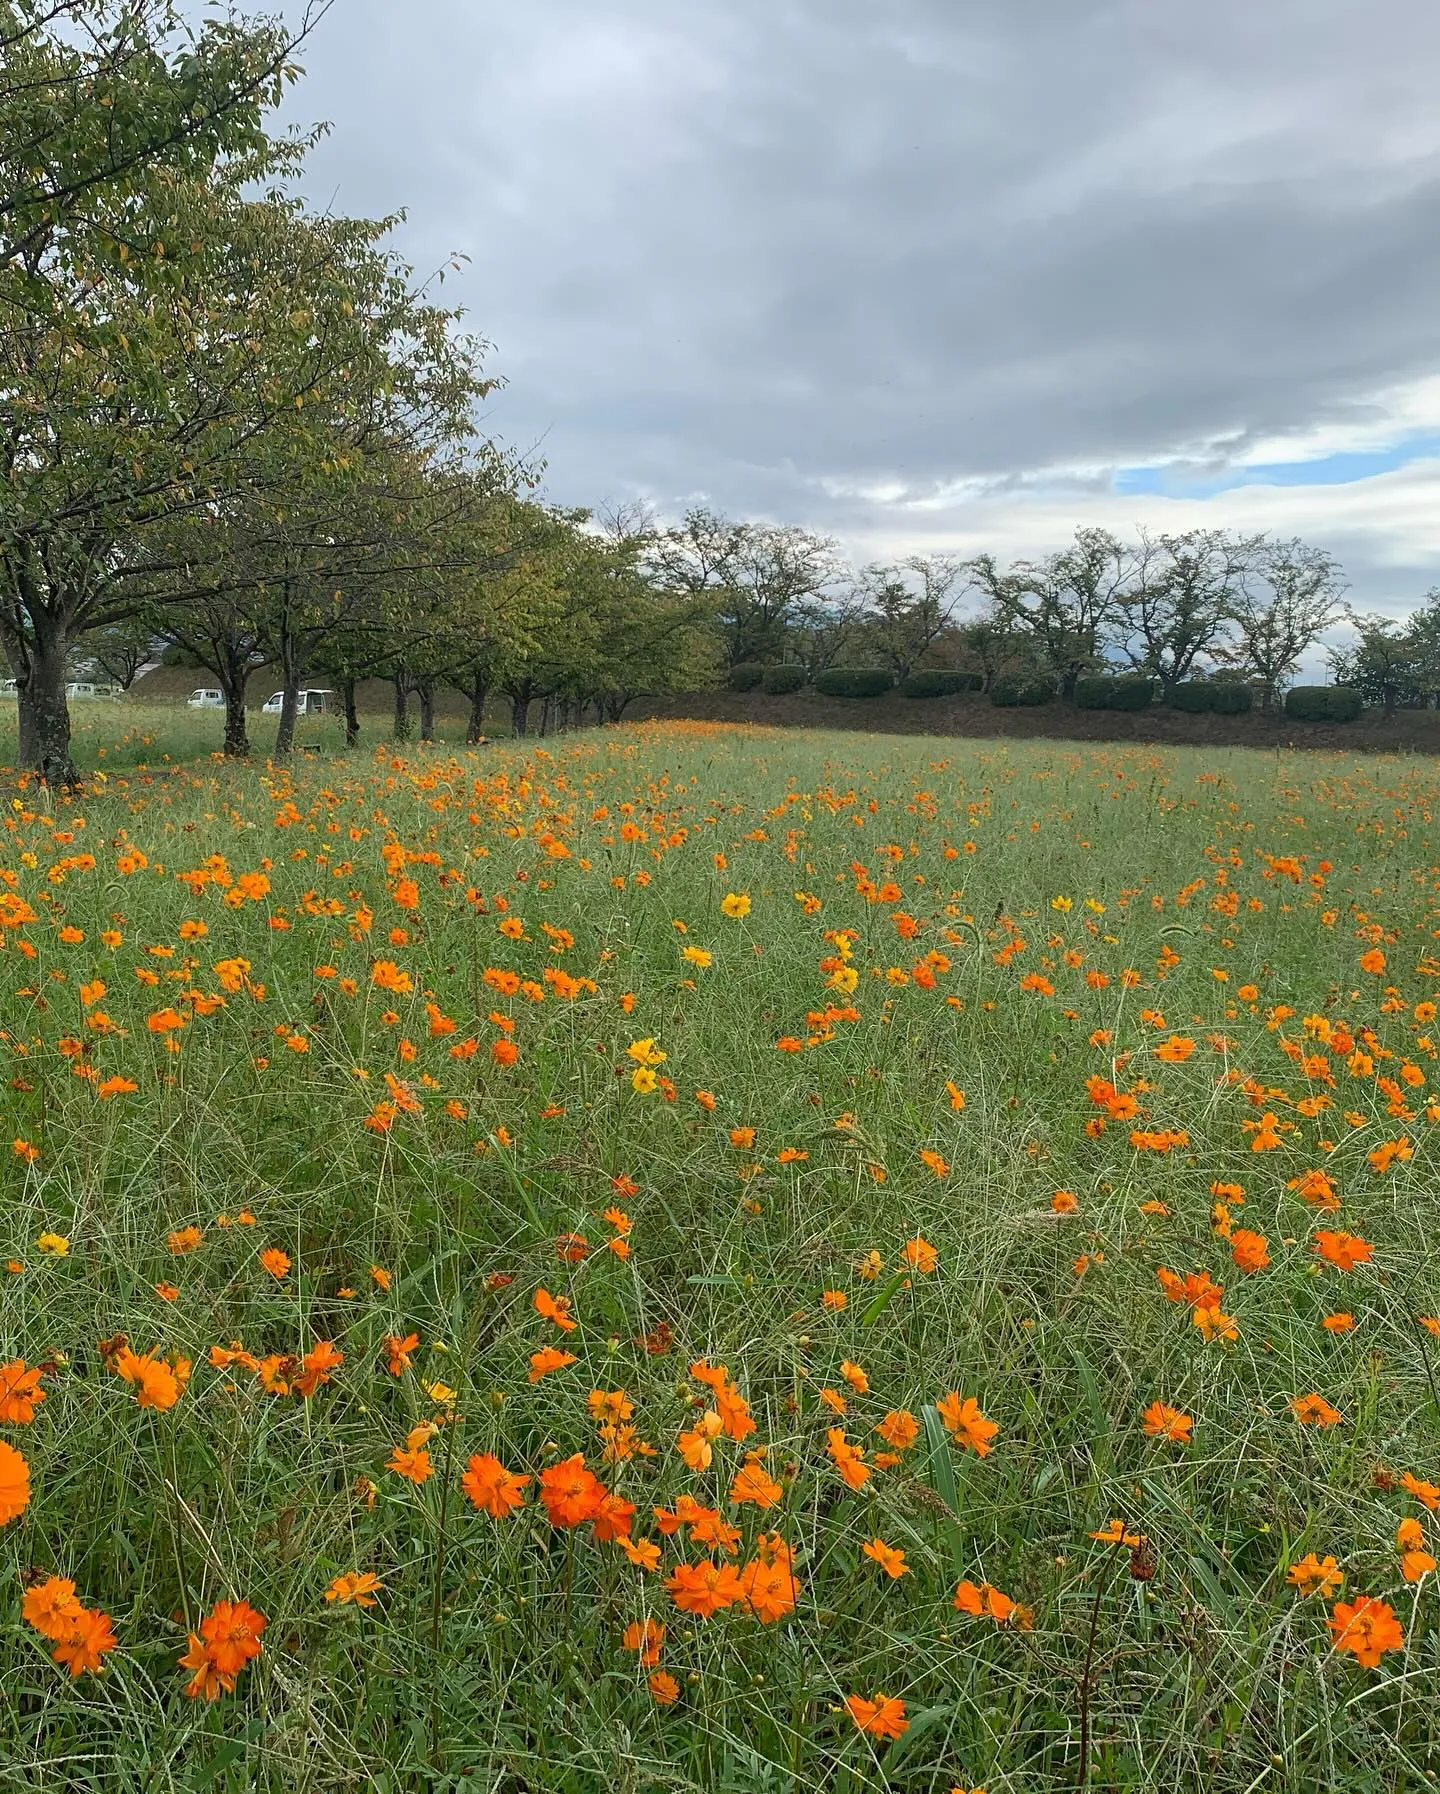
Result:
pixel 1343 469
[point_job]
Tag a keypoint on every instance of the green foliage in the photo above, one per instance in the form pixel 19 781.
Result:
pixel 854 682
pixel 1323 704
pixel 745 675
pixel 1230 697
pixel 939 682
pixel 1092 691
pixel 1025 689
pixel 779 680
pixel 1095 692
pixel 1195 696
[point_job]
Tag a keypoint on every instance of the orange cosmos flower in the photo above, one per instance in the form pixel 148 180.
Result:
pixel 890 1560
pixel 1316 1576
pixel 1366 1627
pixel 15 1484
pixel 546 1360
pixel 554 1308
pixel 411 1462
pixel 1251 1251
pixel 754 1485
pixel 882 1717
pixel 646 1637
pixel 1338 1323
pixel 1343 1250
pixel 229 1639
pixel 359 1588
pixel 933 1162
pixel 834 1299
pixel 968 1426
pixel 20 1392
pixel 51 1607
pixel 742 1137
pixel 920 1255
pixel 848 1459
pixel 1314 1410
pixel 276 1262
pixel 1415 1561
pixel 704 1588
pixel 769 1588
pixel 644 1553
pixel 89 1640
pixel 571 1493
pixel 1162 1422
pixel 1427 1494
pixel 157 1384
pixel 899 1428
pixel 1064 1202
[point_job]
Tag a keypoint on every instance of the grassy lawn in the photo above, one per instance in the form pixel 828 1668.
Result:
pixel 793 1261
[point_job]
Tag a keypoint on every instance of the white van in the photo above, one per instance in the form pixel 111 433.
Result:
pixel 313 701
pixel 205 698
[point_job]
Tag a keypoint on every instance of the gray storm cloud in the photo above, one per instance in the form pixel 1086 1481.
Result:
pixel 914 271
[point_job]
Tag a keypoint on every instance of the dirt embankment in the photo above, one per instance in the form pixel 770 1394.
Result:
pixel 969 713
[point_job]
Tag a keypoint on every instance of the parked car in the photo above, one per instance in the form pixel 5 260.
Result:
pixel 314 701
pixel 205 698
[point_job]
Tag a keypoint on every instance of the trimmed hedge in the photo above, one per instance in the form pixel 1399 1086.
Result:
pixel 1100 692
pixel 1221 697
pixel 1323 704
pixel 1011 689
pixel 853 682
pixel 745 675
pixel 779 680
pixel 1229 697
pixel 1195 696
pixel 939 682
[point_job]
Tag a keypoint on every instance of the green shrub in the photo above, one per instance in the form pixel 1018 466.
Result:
pixel 1020 688
pixel 939 682
pixel 1131 693
pixel 1092 692
pixel 745 675
pixel 1193 696
pixel 1230 697
pixel 853 682
pixel 781 679
pixel 1099 691
pixel 1323 704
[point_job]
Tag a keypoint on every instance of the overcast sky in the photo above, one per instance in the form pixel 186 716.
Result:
pixel 932 273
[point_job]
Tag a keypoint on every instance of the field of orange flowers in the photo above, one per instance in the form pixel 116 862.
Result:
pixel 701 1258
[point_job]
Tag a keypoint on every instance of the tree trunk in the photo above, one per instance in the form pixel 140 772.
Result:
pixel 352 715
pixel 545 706
pixel 425 691
pixel 401 727
pixel 519 712
pixel 476 692
pixel 49 712
pixel 237 734
pixel 290 698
